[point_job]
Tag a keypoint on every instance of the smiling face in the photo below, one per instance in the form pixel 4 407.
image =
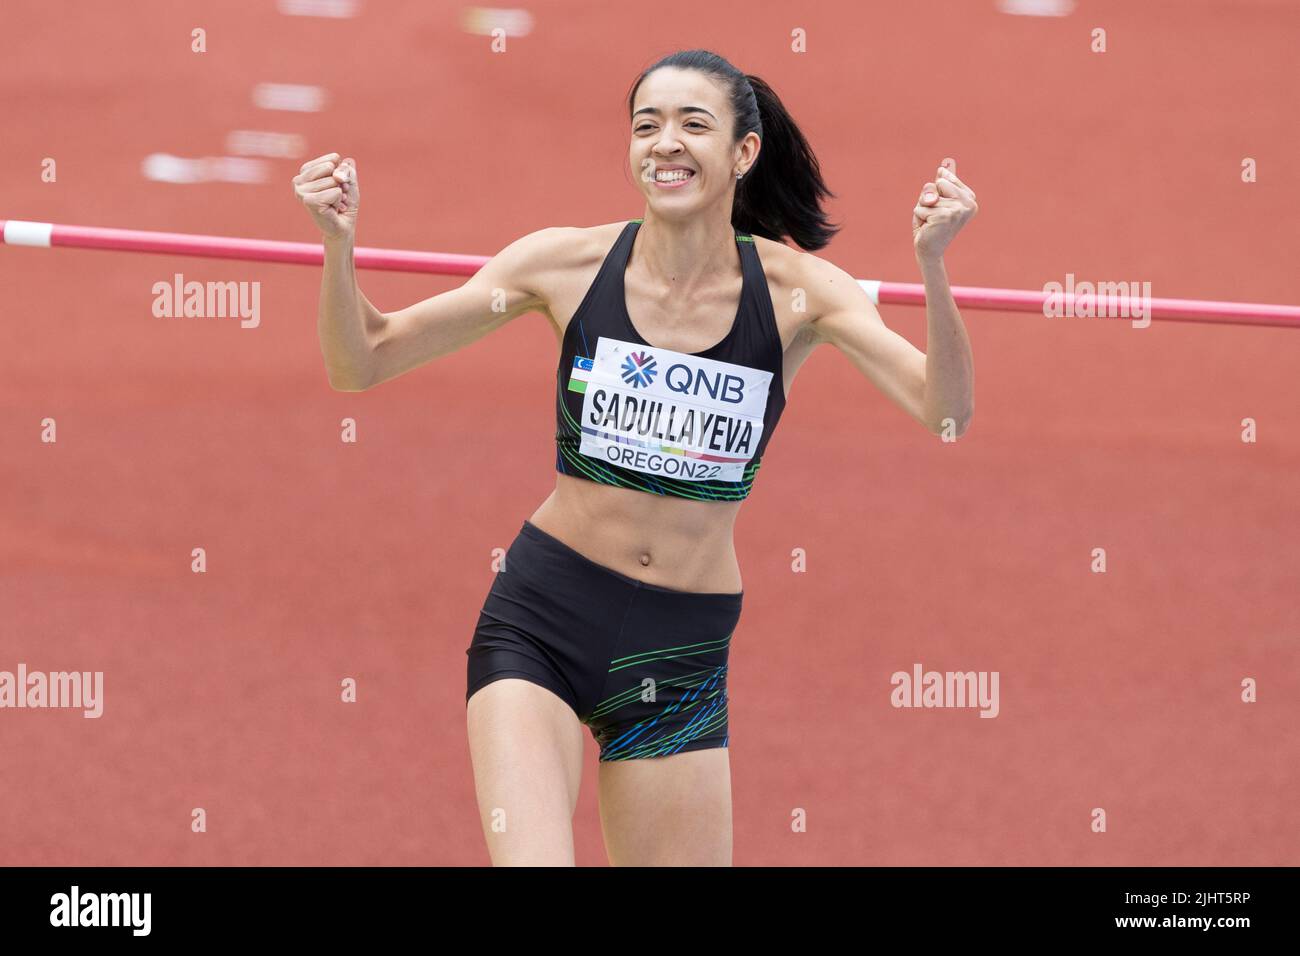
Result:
pixel 681 152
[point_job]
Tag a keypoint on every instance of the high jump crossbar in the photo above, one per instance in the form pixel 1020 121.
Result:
pixel 18 232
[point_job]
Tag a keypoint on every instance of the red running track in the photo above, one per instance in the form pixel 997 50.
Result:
pixel 1118 690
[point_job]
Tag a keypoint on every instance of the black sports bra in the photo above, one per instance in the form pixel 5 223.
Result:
pixel 688 424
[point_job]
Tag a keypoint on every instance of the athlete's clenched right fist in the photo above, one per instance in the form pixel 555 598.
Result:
pixel 329 190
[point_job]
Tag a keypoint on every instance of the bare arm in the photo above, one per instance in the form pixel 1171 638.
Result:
pixel 508 286
pixel 934 386
pixel 345 319
pixel 364 347
pixel 930 386
pixel 327 187
pixel 848 319
pixel 949 363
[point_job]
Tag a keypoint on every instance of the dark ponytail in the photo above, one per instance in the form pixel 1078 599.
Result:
pixel 782 192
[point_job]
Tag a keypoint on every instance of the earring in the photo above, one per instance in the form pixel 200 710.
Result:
pixel 739 174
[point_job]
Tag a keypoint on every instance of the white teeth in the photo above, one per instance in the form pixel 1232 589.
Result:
pixel 671 176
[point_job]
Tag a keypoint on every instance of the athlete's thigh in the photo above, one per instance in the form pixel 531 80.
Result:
pixel 526 747
pixel 667 811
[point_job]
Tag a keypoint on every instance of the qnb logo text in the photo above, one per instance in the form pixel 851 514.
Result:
pixel 720 386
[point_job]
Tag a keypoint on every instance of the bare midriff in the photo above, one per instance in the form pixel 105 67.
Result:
pixel 665 541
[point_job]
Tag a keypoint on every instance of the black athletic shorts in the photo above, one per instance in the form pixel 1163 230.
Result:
pixel 644 667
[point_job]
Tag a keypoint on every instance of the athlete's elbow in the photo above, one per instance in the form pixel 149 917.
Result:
pixel 339 387
pixel 951 426
pixel 963 422
pixel 349 380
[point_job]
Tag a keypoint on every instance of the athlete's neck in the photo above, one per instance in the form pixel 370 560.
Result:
pixel 687 255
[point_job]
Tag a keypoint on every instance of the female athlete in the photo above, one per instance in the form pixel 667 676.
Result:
pixel 680 333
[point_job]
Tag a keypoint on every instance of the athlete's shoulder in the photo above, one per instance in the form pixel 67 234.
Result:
pixel 562 248
pixel 780 262
pixel 796 276
pixel 819 286
pixel 541 261
pixel 792 266
pixel 591 243
pixel 829 288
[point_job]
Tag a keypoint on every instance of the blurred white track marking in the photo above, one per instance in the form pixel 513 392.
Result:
pixel 252 142
pixel 165 168
pixel 1036 8
pixel 483 20
pixel 319 8
pixel 289 96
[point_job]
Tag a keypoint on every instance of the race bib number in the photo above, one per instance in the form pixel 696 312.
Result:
pixel 668 413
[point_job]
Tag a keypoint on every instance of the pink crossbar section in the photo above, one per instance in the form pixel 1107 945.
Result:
pixel 1182 310
pixel 442 263
pixel 258 250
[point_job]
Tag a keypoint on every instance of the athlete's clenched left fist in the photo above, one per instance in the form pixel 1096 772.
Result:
pixel 945 206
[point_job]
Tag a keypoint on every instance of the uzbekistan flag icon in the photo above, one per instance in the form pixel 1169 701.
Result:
pixel 580 375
